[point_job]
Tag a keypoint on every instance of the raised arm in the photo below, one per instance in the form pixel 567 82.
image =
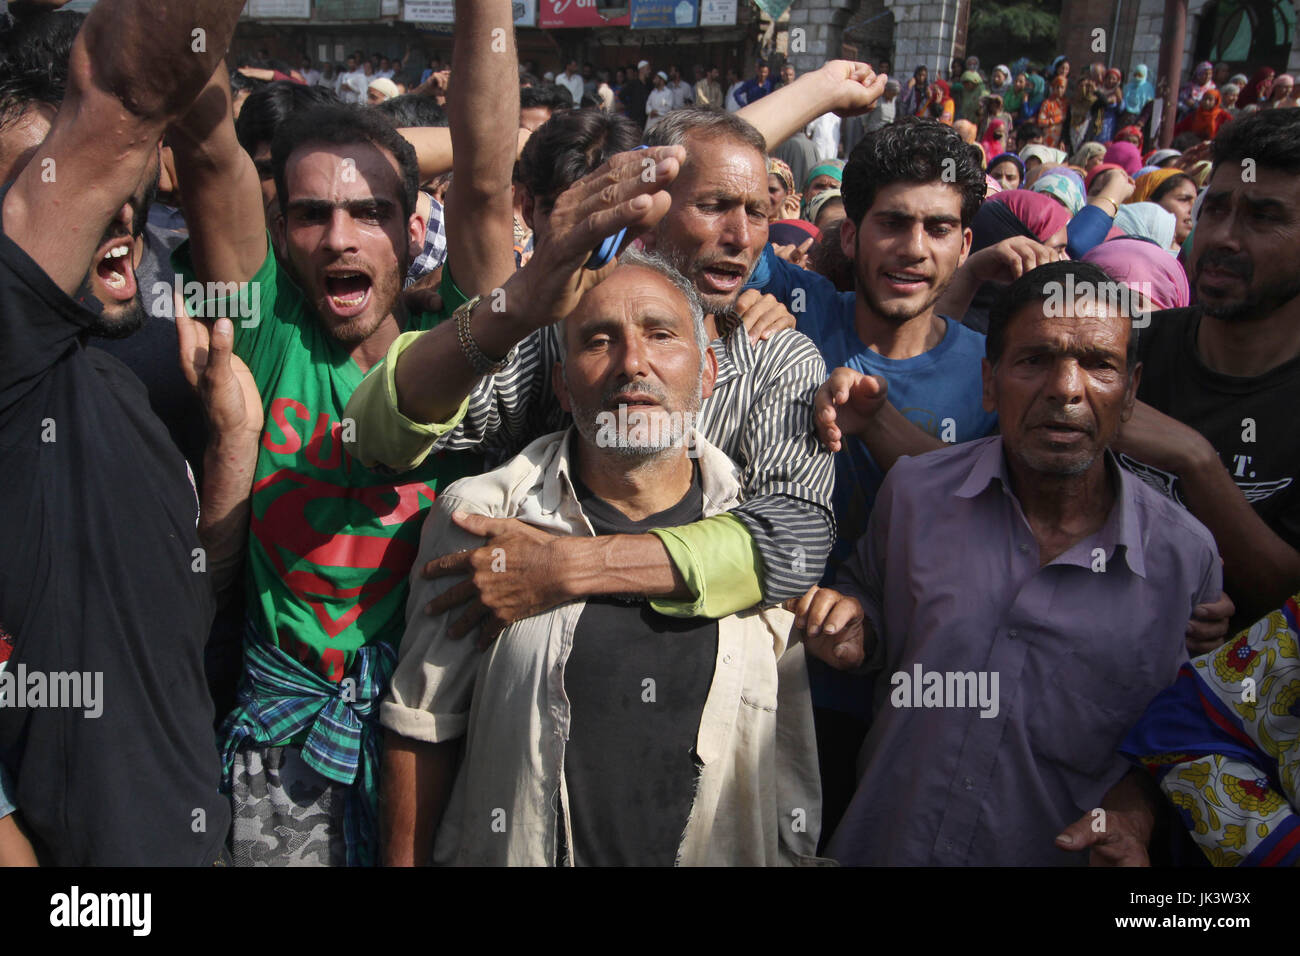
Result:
pixel 220 192
pixel 134 67
pixel 840 86
pixel 482 106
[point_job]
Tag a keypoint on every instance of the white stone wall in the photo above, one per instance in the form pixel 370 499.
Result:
pixel 820 38
pixel 923 34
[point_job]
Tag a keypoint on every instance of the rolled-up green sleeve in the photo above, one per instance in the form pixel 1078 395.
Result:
pixel 381 435
pixel 721 566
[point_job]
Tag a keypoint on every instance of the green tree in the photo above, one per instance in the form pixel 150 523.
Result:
pixel 1001 31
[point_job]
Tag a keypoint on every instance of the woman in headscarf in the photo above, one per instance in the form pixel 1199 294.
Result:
pixel 823 176
pixel 1037 92
pixel 1138 92
pixel 1001 84
pixel 1087 156
pixel 1051 115
pixel 995 140
pixel 1124 154
pixel 1008 170
pixel 1256 92
pixel 1281 93
pixel 1206 119
pixel 1037 155
pixel 1063 185
pixel 780 190
pixel 1111 95
pixel 1004 215
pixel 1202 82
pixel 973 90
pixel 991 109
pixel 1231 93
pixel 917 93
pixel 967 131
pixel 940 105
pixel 1129 134
pixel 1172 190
pixel 1084 119
pixel 1151 272
pixel 1146 220
pixel 1014 100
pixel 1060 67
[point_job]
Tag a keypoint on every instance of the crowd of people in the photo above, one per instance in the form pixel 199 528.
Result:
pixel 788 471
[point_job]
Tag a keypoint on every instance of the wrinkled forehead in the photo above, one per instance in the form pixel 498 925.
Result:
pixel 721 161
pixel 630 294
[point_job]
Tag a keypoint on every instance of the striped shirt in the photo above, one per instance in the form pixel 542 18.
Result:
pixel 760 415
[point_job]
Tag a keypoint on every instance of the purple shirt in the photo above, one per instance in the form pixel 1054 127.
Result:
pixel 949 575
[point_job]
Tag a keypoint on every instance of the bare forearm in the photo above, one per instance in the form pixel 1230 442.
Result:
pixel 481 107
pixel 417 782
pixel 786 111
pixel 621 564
pixel 1260 569
pixel 889 436
pixel 219 189
pixel 434 375
pixel 228 467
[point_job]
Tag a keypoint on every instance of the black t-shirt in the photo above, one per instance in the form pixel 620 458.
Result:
pixel 97 577
pixel 1251 422
pixel 636 682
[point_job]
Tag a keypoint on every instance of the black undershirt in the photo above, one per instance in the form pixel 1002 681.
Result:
pixel 636 682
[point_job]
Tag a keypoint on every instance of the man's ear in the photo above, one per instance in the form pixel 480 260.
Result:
pixel 529 206
pixel 1130 393
pixel 278 230
pixel 560 387
pixel 989 395
pixel 415 229
pixel 709 373
pixel 848 239
pixel 967 237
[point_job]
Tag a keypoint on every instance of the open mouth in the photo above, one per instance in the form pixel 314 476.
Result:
pixel 724 277
pixel 905 282
pixel 347 292
pixel 115 271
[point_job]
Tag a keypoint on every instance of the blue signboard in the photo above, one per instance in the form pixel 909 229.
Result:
pixel 664 14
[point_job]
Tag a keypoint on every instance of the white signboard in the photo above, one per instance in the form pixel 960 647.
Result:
pixel 444 11
pixel 391 8
pixel 717 13
pixel 280 9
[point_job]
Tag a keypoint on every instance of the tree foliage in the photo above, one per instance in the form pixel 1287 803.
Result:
pixel 1004 30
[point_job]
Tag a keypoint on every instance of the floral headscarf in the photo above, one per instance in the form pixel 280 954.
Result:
pixel 782 171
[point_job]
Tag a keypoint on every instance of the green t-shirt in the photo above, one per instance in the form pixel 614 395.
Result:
pixel 331 543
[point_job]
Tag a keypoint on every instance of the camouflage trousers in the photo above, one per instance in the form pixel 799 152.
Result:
pixel 285 813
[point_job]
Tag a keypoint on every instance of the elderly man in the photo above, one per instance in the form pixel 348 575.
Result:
pixel 602 732
pixel 714 231
pixel 1024 599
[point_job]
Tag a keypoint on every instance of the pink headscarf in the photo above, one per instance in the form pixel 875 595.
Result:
pixel 1041 214
pixel 1136 262
pixel 1124 154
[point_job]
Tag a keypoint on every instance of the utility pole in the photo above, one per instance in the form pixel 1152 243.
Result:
pixel 1171 65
